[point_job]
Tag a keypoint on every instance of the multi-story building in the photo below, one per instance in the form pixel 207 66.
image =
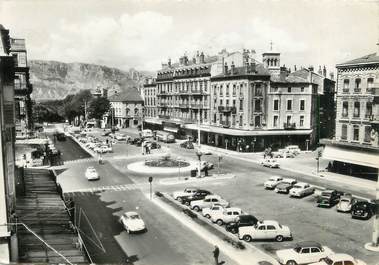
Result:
pixel 241 104
pixel 23 89
pixel 355 149
pixel 126 109
pixel 7 139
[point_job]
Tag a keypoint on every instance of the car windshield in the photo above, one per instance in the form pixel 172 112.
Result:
pixel 273 179
pixel 133 217
pixel 297 187
pixel 345 200
pixel 326 194
pixel 328 261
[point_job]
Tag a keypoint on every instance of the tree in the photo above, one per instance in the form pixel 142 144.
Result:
pixel 98 107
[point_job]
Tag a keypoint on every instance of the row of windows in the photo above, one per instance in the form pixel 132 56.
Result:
pixel 357 84
pixel 356 109
pixel 355 133
pixel 185 115
pixel 118 111
pixel 150 101
pixel 289 121
pixel 289 105
pixel 182 86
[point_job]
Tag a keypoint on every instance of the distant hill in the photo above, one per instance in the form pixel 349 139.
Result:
pixel 56 80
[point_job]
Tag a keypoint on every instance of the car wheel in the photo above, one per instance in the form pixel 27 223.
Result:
pixel 207 216
pixel 196 208
pixel 219 222
pixel 179 199
pixel 279 238
pixel 187 203
pixel 247 238
pixel 291 262
pixel 234 231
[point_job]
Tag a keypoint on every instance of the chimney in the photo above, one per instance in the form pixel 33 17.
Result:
pixel 324 71
pixel 181 61
pixel 197 57
pixel 232 68
pixel 202 60
pixel 194 60
pixel 283 72
pixel 331 74
pixel 310 68
pixel 185 60
pixel 319 70
pixel 252 67
pixel 169 62
pixel 294 68
pixel 226 68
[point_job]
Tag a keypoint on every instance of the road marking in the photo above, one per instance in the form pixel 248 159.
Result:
pixel 121 187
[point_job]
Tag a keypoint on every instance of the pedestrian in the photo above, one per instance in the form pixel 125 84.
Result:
pixel 216 254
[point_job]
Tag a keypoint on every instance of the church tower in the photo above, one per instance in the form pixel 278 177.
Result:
pixel 271 60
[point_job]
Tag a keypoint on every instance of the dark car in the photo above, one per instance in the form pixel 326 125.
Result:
pixel 61 137
pixel 243 220
pixel 363 210
pixel 137 141
pixel 155 145
pixel 187 145
pixel 199 195
pixel 328 198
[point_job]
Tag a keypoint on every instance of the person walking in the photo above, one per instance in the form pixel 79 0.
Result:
pixel 216 254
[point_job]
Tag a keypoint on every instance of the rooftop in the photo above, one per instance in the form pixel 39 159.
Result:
pixel 130 95
pixel 370 58
pixel 243 71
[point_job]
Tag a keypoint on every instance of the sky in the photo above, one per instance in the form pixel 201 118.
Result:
pixel 142 34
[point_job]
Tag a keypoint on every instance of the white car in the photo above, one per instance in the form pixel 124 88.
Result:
pixel 132 222
pixel 267 229
pixel 121 137
pixel 272 163
pixel 303 253
pixel 214 209
pixel 294 149
pixel 339 259
pixel 345 203
pixel 204 150
pixel 207 202
pixel 206 164
pixel 285 185
pixel 301 189
pixel 103 149
pixel 229 215
pixel 186 192
pixel 91 174
pixel 272 182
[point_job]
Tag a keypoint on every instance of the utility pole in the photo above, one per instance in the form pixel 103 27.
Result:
pixel 198 128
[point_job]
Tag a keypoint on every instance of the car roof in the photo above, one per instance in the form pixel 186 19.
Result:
pixel 231 209
pixel 340 256
pixel 269 222
pixel 289 179
pixel 302 183
pixel 308 244
pixel 276 177
pixel 130 213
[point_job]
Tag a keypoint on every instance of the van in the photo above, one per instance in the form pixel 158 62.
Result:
pixel 165 137
pixel 147 133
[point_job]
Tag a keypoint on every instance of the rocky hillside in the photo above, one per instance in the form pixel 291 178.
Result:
pixel 56 80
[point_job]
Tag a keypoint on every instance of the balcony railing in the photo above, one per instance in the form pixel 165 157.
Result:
pixel 165 117
pixel 345 90
pixel 258 94
pixel 197 91
pixel 196 106
pixel 183 105
pixel 225 124
pixel 289 125
pixel 227 109
pixel 163 105
pixel 184 91
pixel 357 90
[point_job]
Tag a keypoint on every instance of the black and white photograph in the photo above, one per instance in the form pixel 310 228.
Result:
pixel 189 132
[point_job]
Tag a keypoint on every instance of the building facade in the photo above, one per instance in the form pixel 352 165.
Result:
pixel 7 139
pixel 355 148
pixel 23 89
pixel 126 109
pixel 239 103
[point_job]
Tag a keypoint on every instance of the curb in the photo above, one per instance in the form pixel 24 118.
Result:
pixel 171 181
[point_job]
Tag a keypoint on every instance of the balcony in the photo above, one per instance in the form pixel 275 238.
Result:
pixel 258 93
pixel 289 125
pixel 345 90
pixel 163 105
pixel 259 110
pixel 165 117
pixel 184 105
pixel 357 90
pixel 162 93
pixel 184 92
pixel 227 109
pixel 374 119
pixel 225 124
pixel 196 106
pixel 197 92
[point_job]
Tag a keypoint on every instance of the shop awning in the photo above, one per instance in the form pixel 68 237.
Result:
pixel 348 155
pixel 235 132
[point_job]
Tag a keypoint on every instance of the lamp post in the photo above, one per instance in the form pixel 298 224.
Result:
pixel 218 164
pixel 199 154
pixel 307 143
pixel 179 165
pixel 319 154
pixel 253 143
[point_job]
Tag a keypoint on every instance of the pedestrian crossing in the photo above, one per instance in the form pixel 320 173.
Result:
pixel 124 187
pixel 78 161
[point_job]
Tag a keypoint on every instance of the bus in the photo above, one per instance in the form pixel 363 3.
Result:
pixel 165 137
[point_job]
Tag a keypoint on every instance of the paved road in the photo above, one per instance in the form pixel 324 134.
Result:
pixel 167 240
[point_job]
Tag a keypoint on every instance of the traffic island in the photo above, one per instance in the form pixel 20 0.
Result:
pixel 181 180
pixel 371 247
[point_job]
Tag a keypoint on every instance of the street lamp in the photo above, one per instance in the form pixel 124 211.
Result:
pixel 253 143
pixel 307 142
pixel 218 164
pixel 199 154
pixel 319 154
pixel 178 158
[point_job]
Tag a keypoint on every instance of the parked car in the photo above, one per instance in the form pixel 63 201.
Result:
pixel 91 173
pixel 303 253
pixel 165 137
pixel 132 222
pixel 294 149
pixel 243 220
pixel 213 209
pixel 227 216
pixel 199 195
pixel 301 189
pixel 187 145
pixel 208 201
pixel 272 163
pixel 272 182
pixel 121 137
pixel 186 192
pixel 328 198
pixel 204 150
pixel 285 185
pixel 282 153
pixel 137 141
pixel 267 229
pixel 339 259
pixel 363 210
pixel 345 203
